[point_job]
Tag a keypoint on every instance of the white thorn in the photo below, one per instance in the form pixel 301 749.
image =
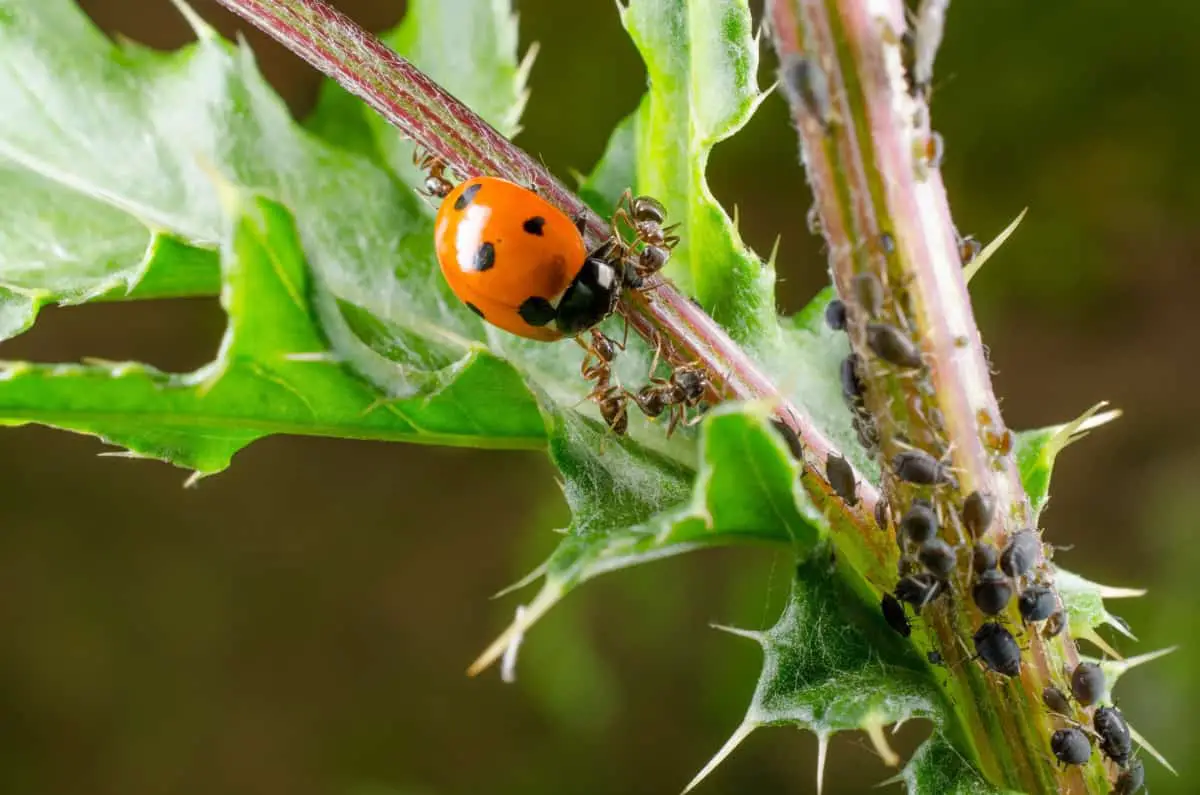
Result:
pixel 1070 581
pixel 1090 634
pixel 735 739
pixel 1070 432
pixel 1134 662
pixel 741 633
pixel 201 28
pixel 193 479
pixel 899 778
pixel 987 251
pixel 1112 592
pixel 523 621
pixel 874 730
pixel 1119 625
pixel 528 579
pixel 508 663
pixel 822 755
pixel 1150 749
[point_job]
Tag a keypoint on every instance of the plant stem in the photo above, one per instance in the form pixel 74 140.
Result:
pixel 441 125
pixel 871 161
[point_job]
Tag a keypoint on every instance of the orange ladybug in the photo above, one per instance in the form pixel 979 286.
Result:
pixel 520 263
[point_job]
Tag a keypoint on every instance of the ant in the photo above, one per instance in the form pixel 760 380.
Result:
pixel 596 366
pixel 644 215
pixel 436 184
pixel 684 389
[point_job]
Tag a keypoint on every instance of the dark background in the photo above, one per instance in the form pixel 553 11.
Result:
pixel 301 623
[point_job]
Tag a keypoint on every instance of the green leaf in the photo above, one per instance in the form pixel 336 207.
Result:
pixel 1086 611
pixel 274 374
pixel 937 767
pixel 1037 450
pixel 125 145
pixel 469 47
pixel 702 60
pixel 861 676
pixel 746 489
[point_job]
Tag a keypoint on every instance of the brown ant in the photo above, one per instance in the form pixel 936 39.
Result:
pixel 437 186
pixel 684 389
pixel 596 366
pixel 645 215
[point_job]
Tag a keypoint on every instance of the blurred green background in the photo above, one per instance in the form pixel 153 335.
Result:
pixel 301 623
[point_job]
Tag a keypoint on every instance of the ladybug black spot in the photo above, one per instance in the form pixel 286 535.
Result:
pixel 466 197
pixel 534 225
pixel 536 311
pixel 475 309
pixel 485 257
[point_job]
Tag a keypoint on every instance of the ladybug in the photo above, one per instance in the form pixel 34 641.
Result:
pixel 521 264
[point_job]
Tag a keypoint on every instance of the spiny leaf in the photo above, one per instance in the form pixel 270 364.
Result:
pixel 702 59
pixel 274 374
pixel 1086 612
pixel 1036 450
pixel 832 664
pixel 125 142
pixel 938 768
pixel 745 489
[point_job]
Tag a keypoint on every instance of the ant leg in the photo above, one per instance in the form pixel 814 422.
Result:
pixel 676 412
pixel 658 349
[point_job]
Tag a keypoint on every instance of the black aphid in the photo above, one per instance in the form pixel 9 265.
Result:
pixel 918 590
pixel 852 383
pixel 882 514
pixel 992 592
pixel 1115 740
pixel 938 556
pixel 1037 603
pixel 1070 746
pixel 978 511
pixel 1087 683
pixel 998 649
pixel 869 293
pixel 1021 553
pixel 935 658
pixel 1131 780
pixel 1056 700
pixel 835 314
pixel 841 478
pixel 1055 625
pixel 984 557
pixel 919 467
pixel 789 438
pixel 890 344
pixel 807 86
pixel 919 523
pixel 893 614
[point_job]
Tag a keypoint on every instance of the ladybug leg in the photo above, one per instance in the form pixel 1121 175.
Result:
pixel 580 221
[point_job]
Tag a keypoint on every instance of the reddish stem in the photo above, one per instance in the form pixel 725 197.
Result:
pixel 444 127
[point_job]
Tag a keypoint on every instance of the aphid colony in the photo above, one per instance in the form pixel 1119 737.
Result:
pixel 929 564
pixel 521 264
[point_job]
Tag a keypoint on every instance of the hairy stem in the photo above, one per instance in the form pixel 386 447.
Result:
pixel 443 126
pixel 871 161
